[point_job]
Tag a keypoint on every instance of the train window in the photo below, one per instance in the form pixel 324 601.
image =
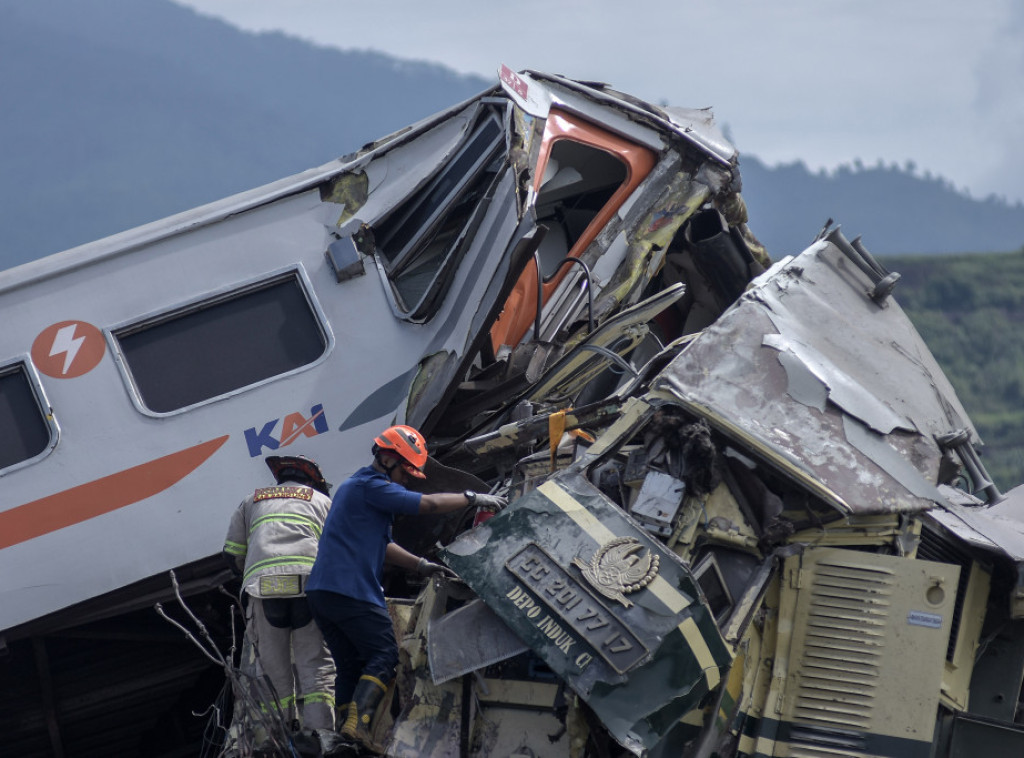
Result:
pixel 418 243
pixel 583 176
pixel 724 574
pixel 214 347
pixel 26 430
pixel 710 578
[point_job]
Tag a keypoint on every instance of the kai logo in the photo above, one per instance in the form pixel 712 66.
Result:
pixel 293 426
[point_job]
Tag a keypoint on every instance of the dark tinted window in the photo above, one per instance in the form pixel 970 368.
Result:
pixel 25 433
pixel 715 591
pixel 223 345
pixel 420 240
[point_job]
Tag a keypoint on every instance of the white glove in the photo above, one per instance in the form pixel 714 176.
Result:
pixel 492 503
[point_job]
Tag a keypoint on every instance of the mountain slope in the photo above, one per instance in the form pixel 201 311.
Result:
pixel 125 111
pixel 896 211
pixel 120 112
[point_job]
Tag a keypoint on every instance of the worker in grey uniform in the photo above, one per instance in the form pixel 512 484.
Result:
pixel 272 543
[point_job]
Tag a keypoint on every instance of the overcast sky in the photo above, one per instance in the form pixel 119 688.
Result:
pixel 936 82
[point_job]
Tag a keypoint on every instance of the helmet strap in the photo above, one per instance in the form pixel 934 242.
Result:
pixel 387 462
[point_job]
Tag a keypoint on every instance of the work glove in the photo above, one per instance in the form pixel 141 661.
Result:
pixel 426 568
pixel 493 503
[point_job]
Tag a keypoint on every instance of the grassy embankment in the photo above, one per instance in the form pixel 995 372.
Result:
pixel 970 310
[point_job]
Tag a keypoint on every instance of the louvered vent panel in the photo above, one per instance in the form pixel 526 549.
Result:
pixel 857 644
pixel 843 649
pixel 810 742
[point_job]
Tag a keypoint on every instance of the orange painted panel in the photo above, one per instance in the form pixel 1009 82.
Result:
pixel 521 307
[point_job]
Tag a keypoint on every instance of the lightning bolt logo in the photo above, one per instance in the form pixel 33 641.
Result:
pixel 66 342
pixel 68 349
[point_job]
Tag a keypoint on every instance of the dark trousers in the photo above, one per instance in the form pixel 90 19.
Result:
pixel 360 637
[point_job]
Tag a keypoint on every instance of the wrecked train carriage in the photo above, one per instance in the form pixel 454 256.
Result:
pixel 616 202
pixel 395 285
pixel 759 552
pixel 783 543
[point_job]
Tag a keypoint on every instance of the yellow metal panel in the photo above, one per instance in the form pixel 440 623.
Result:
pixel 630 415
pixel 868 643
pixel 853 530
pixel 515 692
pixel 957 677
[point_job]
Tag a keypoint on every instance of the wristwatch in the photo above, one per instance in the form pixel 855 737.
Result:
pixel 470 497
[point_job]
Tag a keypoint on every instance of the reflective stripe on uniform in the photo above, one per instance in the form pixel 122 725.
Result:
pixel 317 697
pixel 277 705
pixel 281 560
pixel 312 698
pixel 288 518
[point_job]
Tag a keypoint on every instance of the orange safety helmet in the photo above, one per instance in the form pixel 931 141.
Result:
pixel 408 444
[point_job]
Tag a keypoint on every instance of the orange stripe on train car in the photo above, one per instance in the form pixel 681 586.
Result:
pixel 86 501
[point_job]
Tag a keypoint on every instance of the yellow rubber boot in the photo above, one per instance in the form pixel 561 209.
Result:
pixel 365 699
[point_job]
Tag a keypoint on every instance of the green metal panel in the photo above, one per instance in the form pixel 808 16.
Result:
pixel 635 641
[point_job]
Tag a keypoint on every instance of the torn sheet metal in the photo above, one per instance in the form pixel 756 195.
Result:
pixel 617 336
pixel 611 610
pixel 696 126
pixel 679 200
pixel 538 93
pixel 996 528
pixel 799 367
pixel 468 639
pixel 811 373
pixel 412 160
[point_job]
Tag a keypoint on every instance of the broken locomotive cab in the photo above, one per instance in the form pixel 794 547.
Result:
pixel 803 489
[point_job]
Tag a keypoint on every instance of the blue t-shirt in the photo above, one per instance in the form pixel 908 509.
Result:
pixel 350 557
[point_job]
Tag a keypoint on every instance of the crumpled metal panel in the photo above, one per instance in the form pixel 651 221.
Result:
pixel 469 638
pixel 694 125
pixel 835 390
pixel 413 158
pixel 998 528
pixel 618 336
pixel 641 657
pixel 680 198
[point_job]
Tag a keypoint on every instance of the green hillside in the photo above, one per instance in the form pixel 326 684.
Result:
pixel 969 309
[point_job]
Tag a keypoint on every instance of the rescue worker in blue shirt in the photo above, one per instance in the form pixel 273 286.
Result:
pixel 345 589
